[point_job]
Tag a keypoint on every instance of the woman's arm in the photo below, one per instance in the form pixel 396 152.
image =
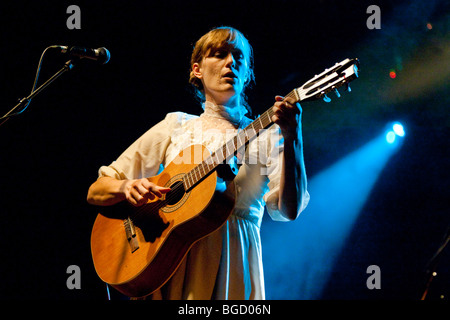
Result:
pixel 293 182
pixel 108 191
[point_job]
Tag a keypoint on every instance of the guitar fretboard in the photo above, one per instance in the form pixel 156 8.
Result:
pixel 229 149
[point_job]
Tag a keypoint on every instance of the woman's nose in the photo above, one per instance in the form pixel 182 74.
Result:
pixel 231 61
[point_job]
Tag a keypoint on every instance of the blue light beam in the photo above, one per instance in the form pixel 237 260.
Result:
pixel 299 256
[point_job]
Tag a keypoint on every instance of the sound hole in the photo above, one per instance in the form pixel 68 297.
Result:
pixel 175 194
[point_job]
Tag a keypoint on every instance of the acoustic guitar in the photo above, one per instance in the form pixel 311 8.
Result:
pixel 137 249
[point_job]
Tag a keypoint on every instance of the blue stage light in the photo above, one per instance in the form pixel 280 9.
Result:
pixel 398 129
pixel 393 131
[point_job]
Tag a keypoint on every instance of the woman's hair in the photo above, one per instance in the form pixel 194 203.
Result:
pixel 218 38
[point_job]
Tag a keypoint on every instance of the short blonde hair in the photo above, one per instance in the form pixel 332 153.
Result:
pixel 218 38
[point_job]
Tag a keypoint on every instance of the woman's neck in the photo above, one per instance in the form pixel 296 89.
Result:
pixel 232 113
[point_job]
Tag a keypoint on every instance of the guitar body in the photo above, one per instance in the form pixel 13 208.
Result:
pixel 137 249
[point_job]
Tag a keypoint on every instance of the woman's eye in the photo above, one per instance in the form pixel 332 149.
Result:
pixel 220 54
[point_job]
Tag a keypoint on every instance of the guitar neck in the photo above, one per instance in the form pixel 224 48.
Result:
pixel 316 88
pixel 229 149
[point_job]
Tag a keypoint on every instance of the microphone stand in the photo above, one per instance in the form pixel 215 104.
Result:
pixel 23 102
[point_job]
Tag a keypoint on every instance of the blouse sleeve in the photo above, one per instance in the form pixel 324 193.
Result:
pixel 144 157
pixel 273 167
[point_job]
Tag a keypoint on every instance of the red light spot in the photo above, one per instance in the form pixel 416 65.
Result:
pixel 392 74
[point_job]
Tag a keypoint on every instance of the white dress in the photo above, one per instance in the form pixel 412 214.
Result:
pixel 227 264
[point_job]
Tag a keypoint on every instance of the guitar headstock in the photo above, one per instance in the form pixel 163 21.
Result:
pixel 329 80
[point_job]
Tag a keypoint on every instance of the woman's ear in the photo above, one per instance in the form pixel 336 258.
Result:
pixel 196 69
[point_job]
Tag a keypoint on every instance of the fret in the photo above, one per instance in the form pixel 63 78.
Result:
pixel 199 173
pixel 224 153
pixel 295 95
pixel 269 114
pixel 188 182
pixel 192 178
pixel 264 117
pixel 292 94
pixel 215 157
pixel 207 166
pixel 209 161
pixel 202 167
pixel 251 133
pixel 212 164
pixel 216 160
pixel 205 170
pixel 185 182
pixel 228 149
pixel 195 174
pixel 255 125
pixel 237 143
pixel 260 123
pixel 239 136
pixel 231 147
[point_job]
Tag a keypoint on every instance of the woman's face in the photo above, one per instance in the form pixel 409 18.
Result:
pixel 223 74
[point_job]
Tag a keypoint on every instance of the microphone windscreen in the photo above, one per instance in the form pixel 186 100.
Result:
pixel 104 55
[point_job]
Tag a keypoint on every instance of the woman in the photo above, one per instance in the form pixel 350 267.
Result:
pixel 227 264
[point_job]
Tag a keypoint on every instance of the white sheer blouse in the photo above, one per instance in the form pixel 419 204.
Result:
pixel 227 264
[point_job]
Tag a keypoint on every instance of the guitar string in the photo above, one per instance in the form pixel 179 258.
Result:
pixel 156 205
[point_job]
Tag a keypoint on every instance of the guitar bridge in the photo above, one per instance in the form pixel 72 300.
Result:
pixel 130 232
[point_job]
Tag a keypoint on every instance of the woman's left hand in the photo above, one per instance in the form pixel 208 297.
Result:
pixel 287 115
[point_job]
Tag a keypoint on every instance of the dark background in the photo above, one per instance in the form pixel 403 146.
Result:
pixel 51 153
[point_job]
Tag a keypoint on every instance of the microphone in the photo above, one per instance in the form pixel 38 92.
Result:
pixel 101 55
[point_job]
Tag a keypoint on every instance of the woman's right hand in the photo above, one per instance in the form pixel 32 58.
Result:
pixel 139 191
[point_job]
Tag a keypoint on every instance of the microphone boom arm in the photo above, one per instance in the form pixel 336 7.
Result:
pixel 25 101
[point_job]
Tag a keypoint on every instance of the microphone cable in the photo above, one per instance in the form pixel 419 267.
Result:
pixel 9 115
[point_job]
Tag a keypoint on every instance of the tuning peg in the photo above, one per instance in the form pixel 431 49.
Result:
pixel 347 87
pixel 337 93
pixel 325 98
